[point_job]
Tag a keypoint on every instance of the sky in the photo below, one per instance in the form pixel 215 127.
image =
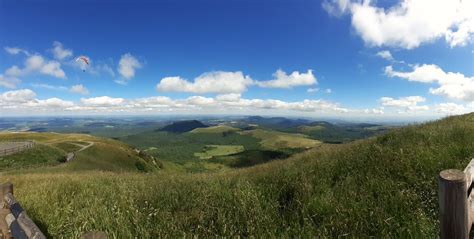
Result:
pixel 393 59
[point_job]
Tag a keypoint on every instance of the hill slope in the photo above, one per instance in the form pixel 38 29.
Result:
pixel 91 153
pixel 183 126
pixel 383 187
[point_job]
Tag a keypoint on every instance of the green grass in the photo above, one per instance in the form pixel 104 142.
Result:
pixel 220 129
pixel 306 129
pixel 39 155
pixel 383 187
pixel 180 148
pixel 278 140
pixel 211 151
pixel 67 146
pixel 104 155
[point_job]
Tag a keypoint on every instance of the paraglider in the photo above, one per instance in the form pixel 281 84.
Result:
pixel 83 61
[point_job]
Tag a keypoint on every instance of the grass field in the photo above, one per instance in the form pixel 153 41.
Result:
pixel 382 187
pixel 278 140
pixel 39 155
pixel 211 151
pixel 180 148
pixel 306 129
pixel 220 129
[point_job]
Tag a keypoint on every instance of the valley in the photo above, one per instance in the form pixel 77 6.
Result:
pixel 228 180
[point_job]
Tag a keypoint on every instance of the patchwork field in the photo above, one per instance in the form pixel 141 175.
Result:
pixel 211 151
pixel 383 187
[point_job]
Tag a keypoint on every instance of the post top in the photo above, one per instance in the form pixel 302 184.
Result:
pixel 453 175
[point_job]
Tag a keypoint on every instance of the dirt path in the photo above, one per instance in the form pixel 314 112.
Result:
pixel 70 156
pixel 83 147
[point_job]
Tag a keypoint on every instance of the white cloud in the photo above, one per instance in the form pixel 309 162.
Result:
pixel 329 91
pixel 451 85
pixel 212 82
pixel 37 64
pixel 59 52
pixel 312 90
pixel 409 23
pixel 453 109
pixel 15 50
pixel 102 101
pixel 232 97
pixel 222 82
pixel 25 102
pixel 200 101
pixel 127 67
pixel 17 96
pixel 402 101
pixel 8 81
pixel 405 104
pixel 376 111
pixel 79 89
pixel 282 80
pixel 54 103
pixel 385 55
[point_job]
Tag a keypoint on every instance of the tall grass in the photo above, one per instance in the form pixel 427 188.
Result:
pixel 380 187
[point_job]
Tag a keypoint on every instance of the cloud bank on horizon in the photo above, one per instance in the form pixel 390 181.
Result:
pixel 51 81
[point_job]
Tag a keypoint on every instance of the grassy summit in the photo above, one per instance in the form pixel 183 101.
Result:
pixel 380 187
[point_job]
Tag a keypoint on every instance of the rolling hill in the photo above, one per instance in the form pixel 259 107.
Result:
pixel 183 126
pixel 91 153
pixel 381 187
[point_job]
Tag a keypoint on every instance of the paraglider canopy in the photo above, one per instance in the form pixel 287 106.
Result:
pixel 83 61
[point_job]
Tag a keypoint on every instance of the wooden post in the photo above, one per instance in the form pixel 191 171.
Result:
pixel 453 205
pixel 5 189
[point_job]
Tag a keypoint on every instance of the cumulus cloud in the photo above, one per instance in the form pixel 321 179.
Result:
pixel 312 90
pixel 405 104
pixel 21 101
pixel 282 80
pixel 222 82
pixel 8 81
pixel 385 55
pixel 102 101
pixel 128 64
pixel 54 103
pixel 452 109
pixel 451 85
pixel 233 97
pixel 79 89
pixel 37 64
pixel 59 52
pixel 17 96
pixel 219 82
pixel 409 23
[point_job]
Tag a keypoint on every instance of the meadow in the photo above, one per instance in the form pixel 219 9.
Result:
pixel 382 187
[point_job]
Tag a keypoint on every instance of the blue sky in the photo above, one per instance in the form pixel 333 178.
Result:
pixel 338 58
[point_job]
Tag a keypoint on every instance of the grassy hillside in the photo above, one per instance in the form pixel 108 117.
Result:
pixel 222 129
pixel 183 126
pixel 279 140
pixel 181 148
pixel 383 187
pixel 51 148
